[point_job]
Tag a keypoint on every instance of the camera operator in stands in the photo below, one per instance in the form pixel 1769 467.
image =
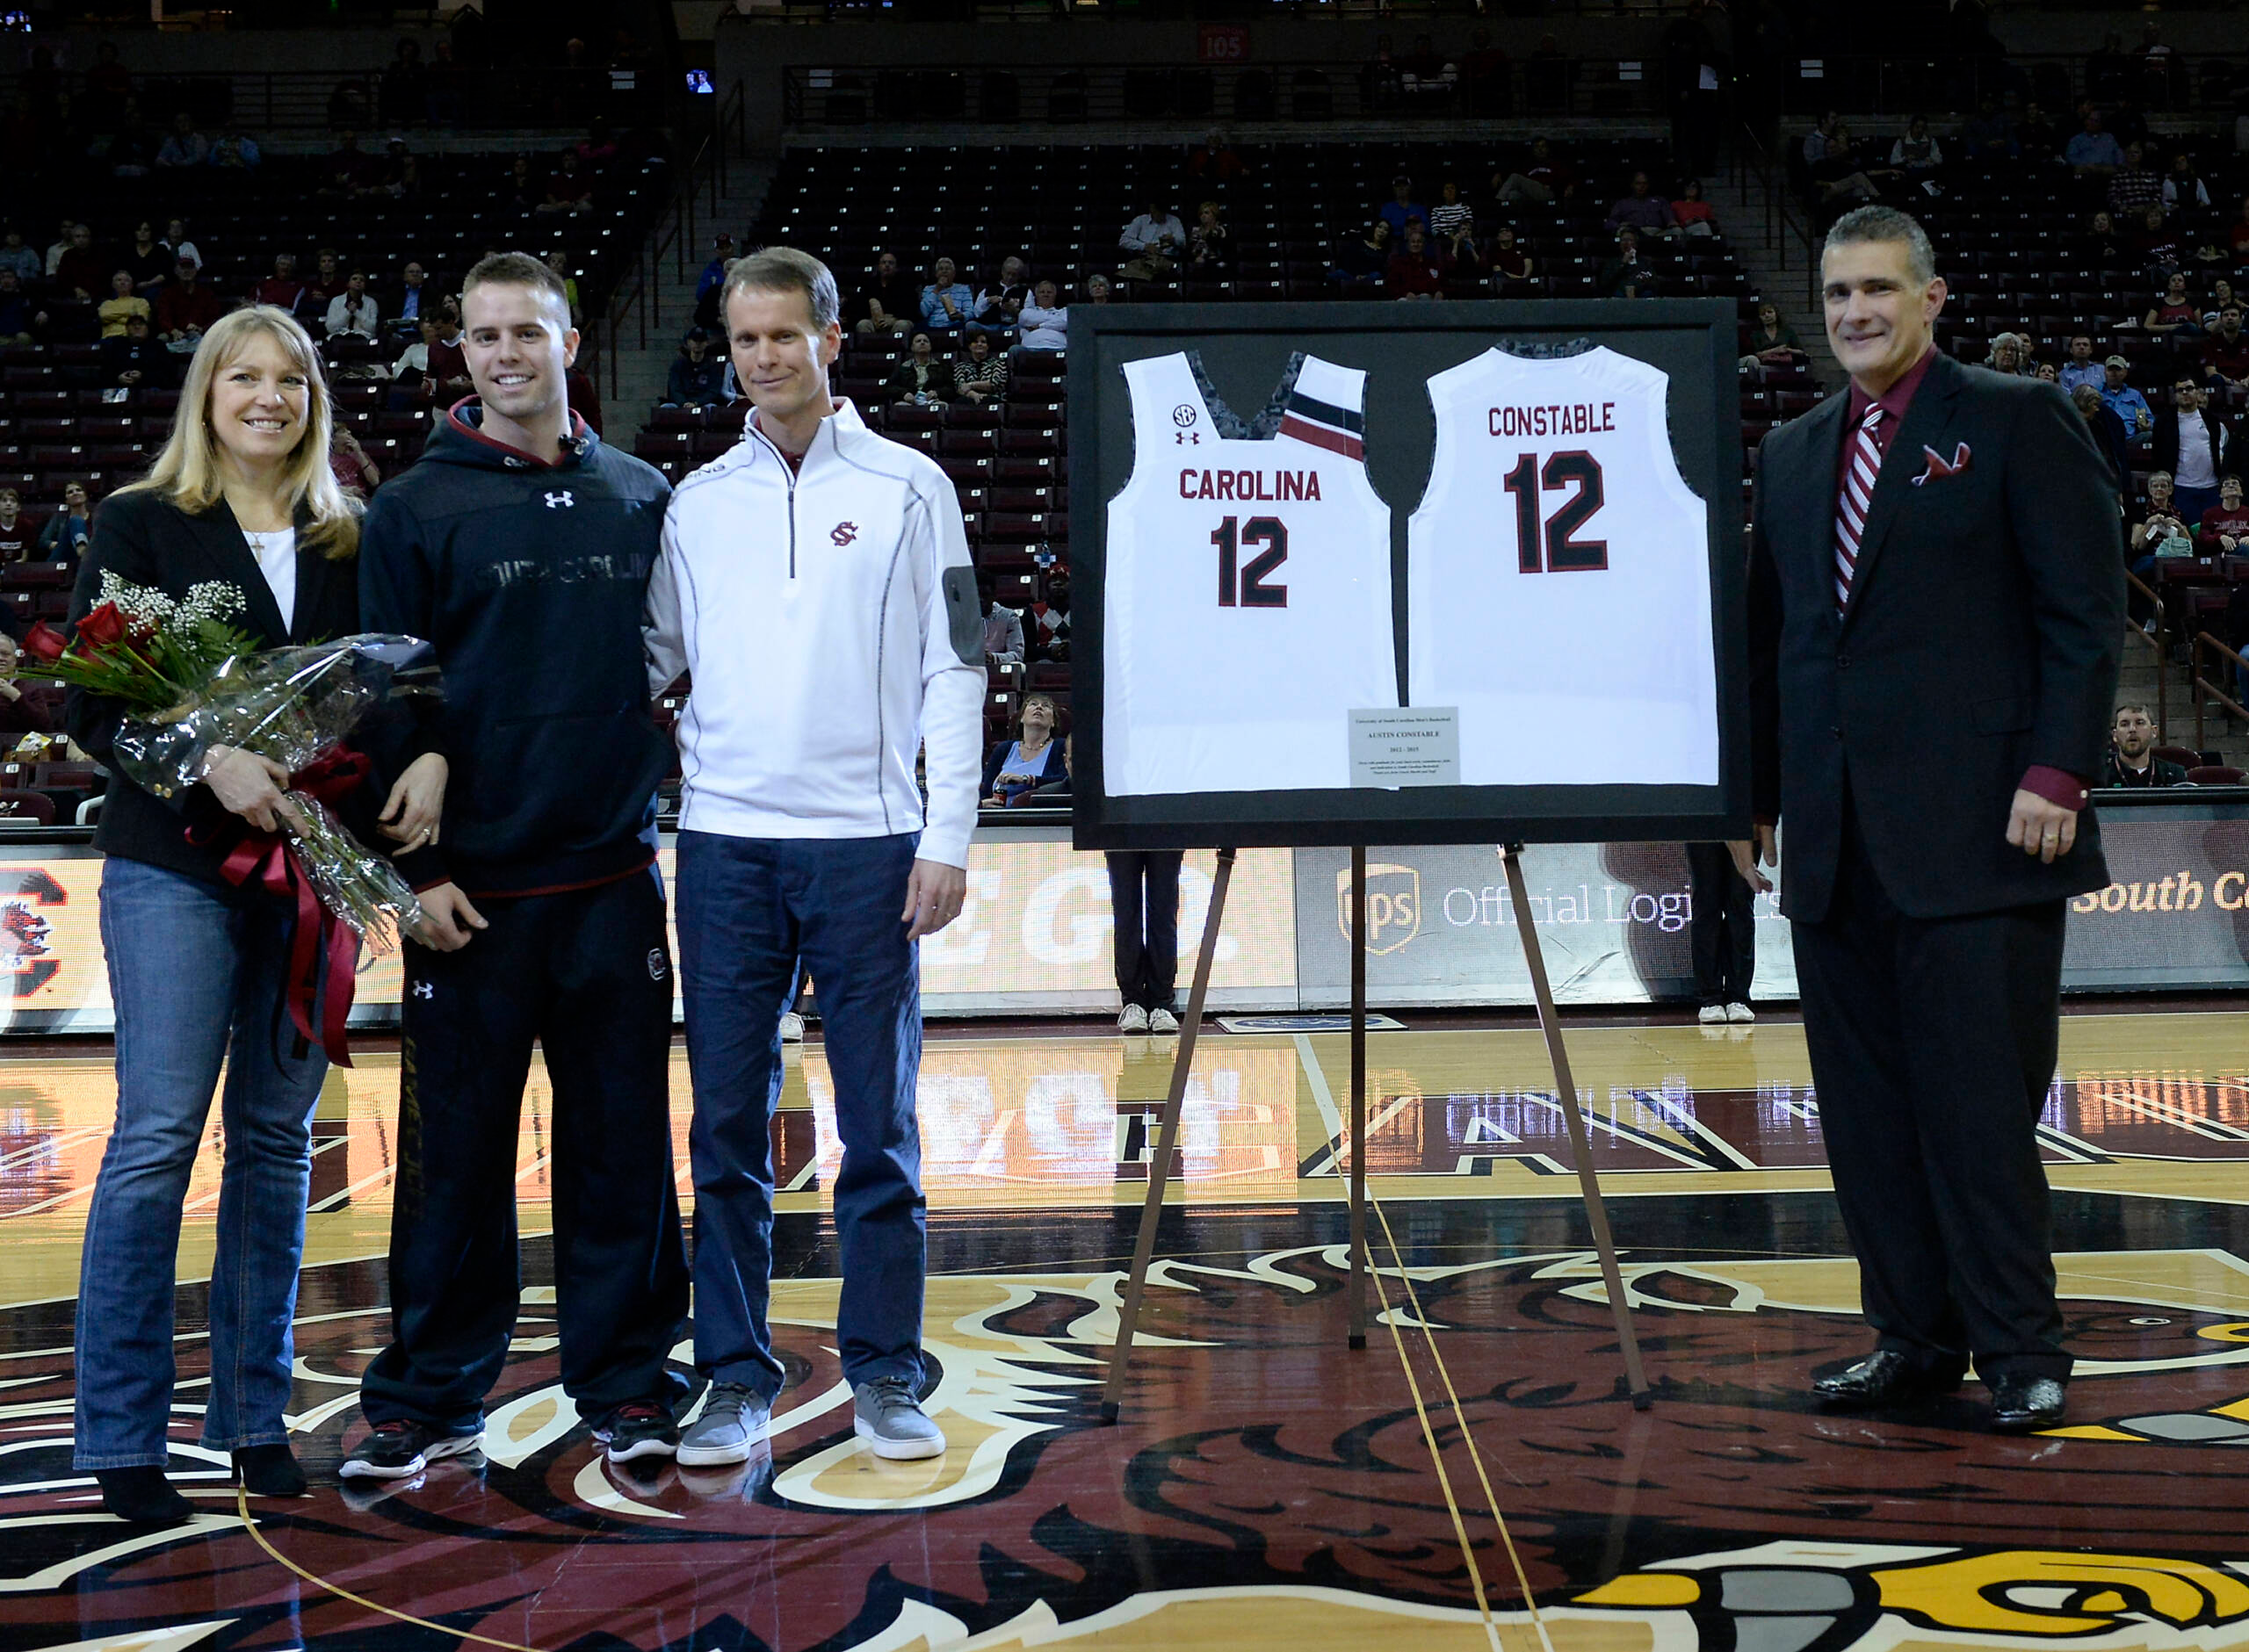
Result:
pixel 2132 761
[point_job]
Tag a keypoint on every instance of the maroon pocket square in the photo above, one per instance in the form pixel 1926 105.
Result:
pixel 1938 466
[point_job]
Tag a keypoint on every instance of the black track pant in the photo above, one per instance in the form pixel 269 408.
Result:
pixel 588 975
pixel 1724 931
pixel 1144 895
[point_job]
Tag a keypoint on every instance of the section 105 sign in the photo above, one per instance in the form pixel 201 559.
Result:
pixel 1224 43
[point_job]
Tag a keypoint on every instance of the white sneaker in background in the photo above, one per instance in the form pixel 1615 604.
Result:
pixel 1133 1018
pixel 1712 1014
pixel 792 1029
pixel 1741 1014
pixel 1162 1021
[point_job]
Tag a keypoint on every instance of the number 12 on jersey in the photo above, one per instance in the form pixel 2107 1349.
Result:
pixel 1545 545
pixel 1245 584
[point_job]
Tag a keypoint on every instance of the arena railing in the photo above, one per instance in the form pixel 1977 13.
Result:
pixel 2205 691
pixel 637 303
pixel 2154 639
pixel 1888 86
pixel 843 97
pixel 289 102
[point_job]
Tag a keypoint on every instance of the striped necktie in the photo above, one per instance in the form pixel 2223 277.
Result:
pixel 1851 505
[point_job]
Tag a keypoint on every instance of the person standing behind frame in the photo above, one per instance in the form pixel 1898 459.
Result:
pixel 1936 609
pixel 815 582
pixel 241 493
pixel 520 547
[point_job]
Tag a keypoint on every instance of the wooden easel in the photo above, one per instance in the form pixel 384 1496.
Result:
pixel 1167 1143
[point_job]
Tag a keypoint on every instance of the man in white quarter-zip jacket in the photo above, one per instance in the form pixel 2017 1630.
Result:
pixel 815 585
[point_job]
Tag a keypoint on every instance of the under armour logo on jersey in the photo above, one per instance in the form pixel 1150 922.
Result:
pixel 561 501
pixel 1938 467
pixel 1187 438
pixel 424 989
pixel 845 532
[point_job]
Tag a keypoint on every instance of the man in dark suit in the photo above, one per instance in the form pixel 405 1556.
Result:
pixel 1936 613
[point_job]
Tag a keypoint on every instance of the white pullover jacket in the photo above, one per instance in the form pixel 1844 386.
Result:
pixel 830 622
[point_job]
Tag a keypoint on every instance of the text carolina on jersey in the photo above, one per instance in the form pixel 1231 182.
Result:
pixel 1249 485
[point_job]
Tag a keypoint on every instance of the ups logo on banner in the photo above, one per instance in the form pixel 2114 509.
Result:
pixel 1393 907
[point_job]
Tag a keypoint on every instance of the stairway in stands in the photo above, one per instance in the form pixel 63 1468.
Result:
pixel 1776 259
pixel 641 373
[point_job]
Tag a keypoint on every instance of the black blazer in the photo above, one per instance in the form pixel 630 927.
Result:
pixel 1983 638
pixel 150 541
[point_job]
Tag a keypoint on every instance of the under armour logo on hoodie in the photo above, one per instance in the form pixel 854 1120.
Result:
pixel 559 501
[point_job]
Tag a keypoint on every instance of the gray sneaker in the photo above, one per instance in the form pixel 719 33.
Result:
pixel 726 1431
pixel 889 1417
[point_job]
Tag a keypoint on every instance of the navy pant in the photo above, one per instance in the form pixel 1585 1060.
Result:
pixel 586 973
pixel 755 913
pixel 1144 895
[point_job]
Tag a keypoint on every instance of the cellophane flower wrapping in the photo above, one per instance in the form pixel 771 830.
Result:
pixel 293 705
pixel 362 888
pixel 289 705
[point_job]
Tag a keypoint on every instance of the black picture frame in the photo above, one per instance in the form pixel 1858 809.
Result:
pixel 1245 347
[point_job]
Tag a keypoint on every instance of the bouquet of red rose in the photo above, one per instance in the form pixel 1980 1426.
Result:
pixel 190 683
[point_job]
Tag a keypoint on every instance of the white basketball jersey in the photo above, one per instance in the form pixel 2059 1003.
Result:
pixel 1247 597
pixel 1559 578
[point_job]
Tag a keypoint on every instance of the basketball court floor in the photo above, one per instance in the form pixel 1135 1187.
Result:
pixel 1472 1478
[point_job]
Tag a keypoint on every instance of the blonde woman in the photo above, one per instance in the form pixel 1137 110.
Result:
pixel 241 493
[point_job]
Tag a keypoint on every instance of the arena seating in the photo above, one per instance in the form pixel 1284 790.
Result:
pixel 1061 208
pixel 2016 243
pixel 59 425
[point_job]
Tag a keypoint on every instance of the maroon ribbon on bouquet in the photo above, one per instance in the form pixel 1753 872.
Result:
pixel 316 933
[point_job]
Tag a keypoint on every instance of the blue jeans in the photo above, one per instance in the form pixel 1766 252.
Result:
pixel 2192 503
pixel 754 914
pixel 196 971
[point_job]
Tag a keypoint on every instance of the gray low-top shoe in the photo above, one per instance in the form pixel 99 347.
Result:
pixel 727 1430
pixel 889 1417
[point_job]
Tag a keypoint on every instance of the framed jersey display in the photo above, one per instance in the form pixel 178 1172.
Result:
pixel 1361 572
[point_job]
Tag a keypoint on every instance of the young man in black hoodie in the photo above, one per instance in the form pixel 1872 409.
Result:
pixel 520 547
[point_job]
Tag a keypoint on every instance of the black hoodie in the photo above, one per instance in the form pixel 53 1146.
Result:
pixel 528 576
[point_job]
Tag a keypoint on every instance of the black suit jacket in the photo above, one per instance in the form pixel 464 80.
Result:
pixel 1983 638
pixel 150 541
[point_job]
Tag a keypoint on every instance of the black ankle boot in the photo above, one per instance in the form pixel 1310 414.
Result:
pixel 268 1471
pixel 143 1495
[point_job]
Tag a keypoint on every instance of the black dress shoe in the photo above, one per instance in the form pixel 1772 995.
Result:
pixel 2022 1405
pixel 1884 1377
pixel 269 1471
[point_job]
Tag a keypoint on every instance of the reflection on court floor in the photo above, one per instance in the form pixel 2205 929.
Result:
pixel 1265 1487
